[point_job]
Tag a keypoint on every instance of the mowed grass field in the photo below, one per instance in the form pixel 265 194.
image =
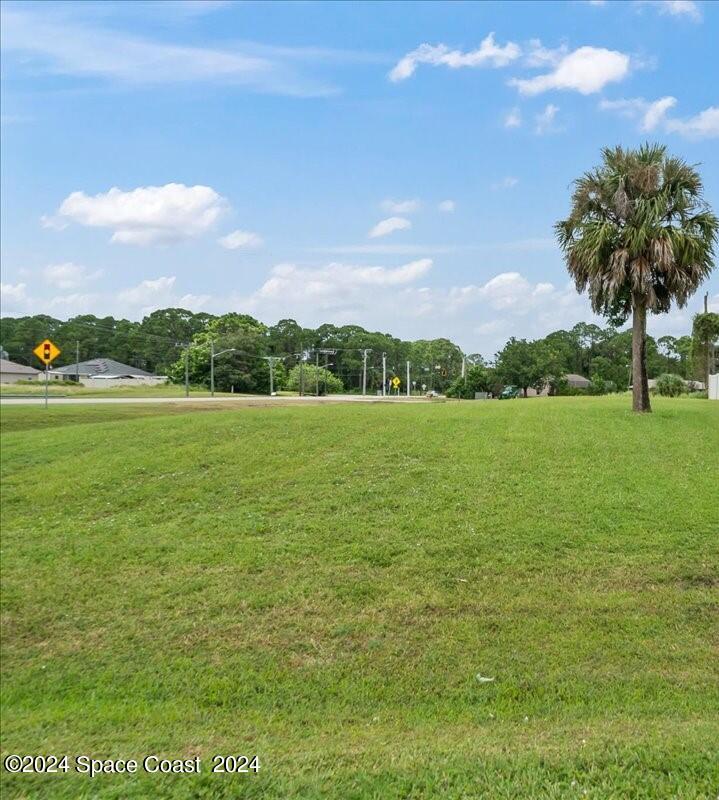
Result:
pixel 322 585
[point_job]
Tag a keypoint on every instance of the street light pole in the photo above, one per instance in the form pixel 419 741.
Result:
pixel 408 379
pixel 187 371
pixel 384 374
pixel 271 361
pixel 213 356
pixel 364 371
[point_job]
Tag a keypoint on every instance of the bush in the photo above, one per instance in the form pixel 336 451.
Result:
pixel 478 379
pixel 597 385
pixel 314 376
pixel 669 385
pixel 563 389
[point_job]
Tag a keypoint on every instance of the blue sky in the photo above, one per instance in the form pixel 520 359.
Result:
pixel 394 165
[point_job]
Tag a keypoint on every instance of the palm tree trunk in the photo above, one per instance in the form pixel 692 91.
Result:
pixel 640 384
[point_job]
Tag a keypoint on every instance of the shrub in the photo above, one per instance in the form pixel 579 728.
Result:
pixel 597 385
pixel 314 377
pixel 669 385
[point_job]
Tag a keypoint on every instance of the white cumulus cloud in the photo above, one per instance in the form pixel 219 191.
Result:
pixel 400 206
pixel 544 121
pixel 13 292
pixel 655 114
pixel 488 54
pixel 389 225
pixel 148 214
pixel 341 292
pixel 585 70
pixel 513 118
pixel 649 113
pixel 537 55
pixel 240 239
pixel 68 275
pixel 704 125
pixel 675 8
pixel 148 292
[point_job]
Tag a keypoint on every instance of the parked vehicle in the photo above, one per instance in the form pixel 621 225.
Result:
pixel 509 393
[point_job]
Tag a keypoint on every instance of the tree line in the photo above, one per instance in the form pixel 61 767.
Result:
pixel 332 358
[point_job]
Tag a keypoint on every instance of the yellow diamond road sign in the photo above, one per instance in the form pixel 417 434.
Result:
pixel 395 382
pixel 47 352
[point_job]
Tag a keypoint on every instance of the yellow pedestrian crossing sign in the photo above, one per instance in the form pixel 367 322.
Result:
pixel 47 352
pixel 395 382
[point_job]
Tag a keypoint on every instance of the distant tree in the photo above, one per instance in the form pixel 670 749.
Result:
pixel 638 237
pixel 163 334
pixel 20 335
pixel 524 364
pixel 683 348
pixel 475 359
pixel 244 369
pixel 705 337
pixel 315 379
pixel 477 379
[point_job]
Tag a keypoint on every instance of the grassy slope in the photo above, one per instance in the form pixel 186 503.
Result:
pixel 321 585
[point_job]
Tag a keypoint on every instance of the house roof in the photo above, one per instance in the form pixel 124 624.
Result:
pixel 577 380
pixel 11 366
pixel 105 367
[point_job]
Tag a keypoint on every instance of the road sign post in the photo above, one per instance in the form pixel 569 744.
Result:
pixel 47 352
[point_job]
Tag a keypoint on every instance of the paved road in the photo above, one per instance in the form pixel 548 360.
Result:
pixel 237 401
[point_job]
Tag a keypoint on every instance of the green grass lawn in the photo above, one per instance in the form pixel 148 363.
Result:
pixel 321 586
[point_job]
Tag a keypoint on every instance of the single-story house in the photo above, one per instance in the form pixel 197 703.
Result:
pixel 575 381
pixel 692 386
pixel 103 373
pixel 10 372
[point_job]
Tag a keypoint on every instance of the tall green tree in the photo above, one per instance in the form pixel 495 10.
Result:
pixel 639 236
pixel 524 364
pixel 705 337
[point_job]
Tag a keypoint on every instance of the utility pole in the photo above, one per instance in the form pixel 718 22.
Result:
pixel 408 379
pixel 364 371
pixel 187 371
pixel 464 374
pixel 302 369
pixel 77 362
pixel 271 361
pixel 317 373
pixel 212 368
pixel 384 374
pixel 708 345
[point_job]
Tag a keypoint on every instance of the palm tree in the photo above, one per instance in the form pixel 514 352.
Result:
pixel 639 235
